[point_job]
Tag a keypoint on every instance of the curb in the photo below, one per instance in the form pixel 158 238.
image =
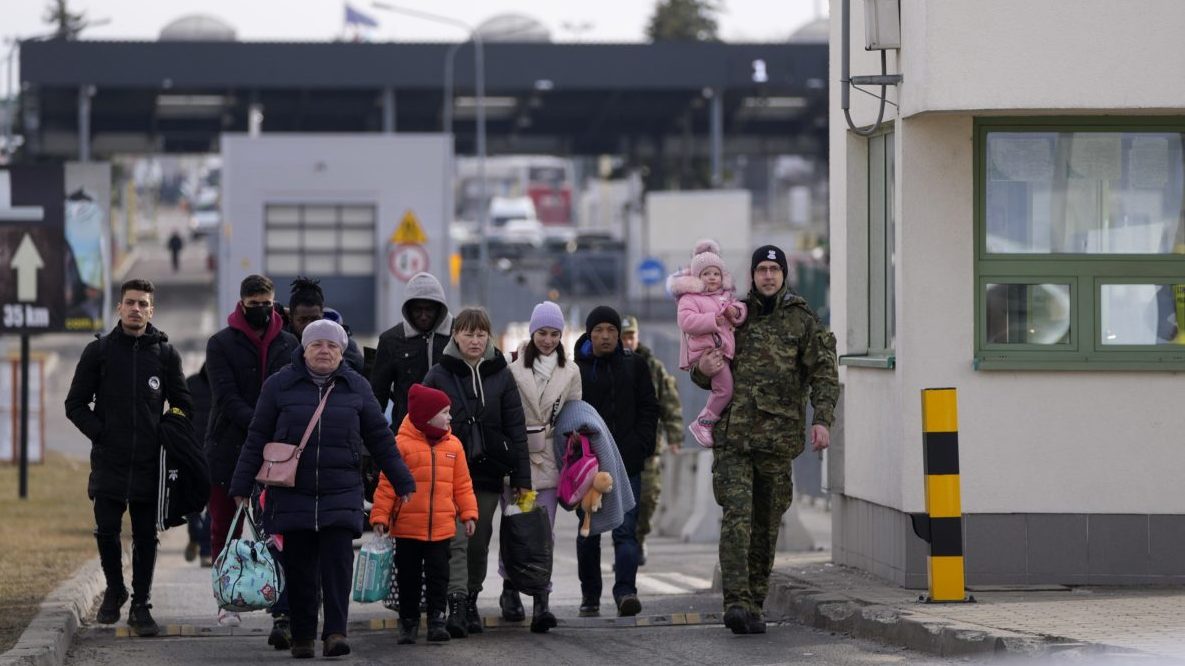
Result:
pixel 795 599
pixel 47 639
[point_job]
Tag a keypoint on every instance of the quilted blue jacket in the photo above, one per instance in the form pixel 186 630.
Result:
pixel 328 490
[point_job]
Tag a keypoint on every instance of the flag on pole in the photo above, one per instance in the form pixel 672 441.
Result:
pixel 357 18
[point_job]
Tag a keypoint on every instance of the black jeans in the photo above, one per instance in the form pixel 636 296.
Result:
pixel 417 560
pixel 108 524
pixel 329 553
pixel 199 531
pixel 626 553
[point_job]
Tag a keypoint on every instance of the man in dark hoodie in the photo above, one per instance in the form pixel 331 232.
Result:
pixel 617 383
pixel 128 374
pixel 408 349
pixel 239 358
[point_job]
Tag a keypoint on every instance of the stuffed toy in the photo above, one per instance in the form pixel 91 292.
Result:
pixel 591 502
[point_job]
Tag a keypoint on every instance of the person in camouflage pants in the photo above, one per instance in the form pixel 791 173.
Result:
pixel 670 426
pixel 784 355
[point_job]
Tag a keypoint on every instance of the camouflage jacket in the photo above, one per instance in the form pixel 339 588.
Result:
pixel 670 410
pixel 782 358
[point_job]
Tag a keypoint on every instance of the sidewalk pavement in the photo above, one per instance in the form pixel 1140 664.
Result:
pixel 1128 623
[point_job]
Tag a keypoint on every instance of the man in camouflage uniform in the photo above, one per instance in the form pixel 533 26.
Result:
pixel 784 355
pixel 670 426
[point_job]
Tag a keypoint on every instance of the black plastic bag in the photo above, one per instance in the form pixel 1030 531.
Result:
pixel 526 547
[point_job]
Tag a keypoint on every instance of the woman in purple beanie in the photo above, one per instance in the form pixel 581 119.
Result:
pixel 546 380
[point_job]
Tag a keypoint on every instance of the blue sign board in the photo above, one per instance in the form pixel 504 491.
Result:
pixel 651 271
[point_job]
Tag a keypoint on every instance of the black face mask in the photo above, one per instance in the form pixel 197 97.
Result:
pixel 258 316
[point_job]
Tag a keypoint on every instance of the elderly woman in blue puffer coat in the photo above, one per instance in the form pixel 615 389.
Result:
pixel 322 514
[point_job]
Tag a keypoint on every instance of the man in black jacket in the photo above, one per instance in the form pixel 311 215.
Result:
pixel 239 358
pixel 408 349
pixel 128 375
pixel 617 383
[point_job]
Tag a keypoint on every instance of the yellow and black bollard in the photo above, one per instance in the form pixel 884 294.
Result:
pixel 942 524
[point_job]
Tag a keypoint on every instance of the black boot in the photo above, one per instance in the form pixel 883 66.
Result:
pixel 472 617
pixel 436 631
pixel 111 560
pixel 511 604
pixel 541 616
pixel 140 620
pixel 456 623
pixel 736 618
pixel 143 565
pixel 408 630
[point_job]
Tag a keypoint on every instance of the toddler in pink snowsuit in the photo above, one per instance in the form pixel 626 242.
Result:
pixel 708 313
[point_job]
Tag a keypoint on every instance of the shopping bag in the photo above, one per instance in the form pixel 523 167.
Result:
pixel 526 545
pixel 391 602
pixel 372 570
pixel 245 575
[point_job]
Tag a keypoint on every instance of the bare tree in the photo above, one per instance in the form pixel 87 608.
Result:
pixel 66 24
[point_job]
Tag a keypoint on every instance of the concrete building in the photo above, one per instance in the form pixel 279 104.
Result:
pixel 1015 228
pixel 339 208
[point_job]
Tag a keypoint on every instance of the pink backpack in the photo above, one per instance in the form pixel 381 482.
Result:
pixel 579 468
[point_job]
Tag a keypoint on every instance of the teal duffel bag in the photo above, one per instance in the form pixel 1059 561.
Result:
pixel 245 575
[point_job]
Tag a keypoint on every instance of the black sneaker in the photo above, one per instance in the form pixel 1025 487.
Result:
pixel 113 601
pixel 737 619
pixel 590 607
pixel 140 621
pixel 281 636
pixel 756 623
pixel 628 606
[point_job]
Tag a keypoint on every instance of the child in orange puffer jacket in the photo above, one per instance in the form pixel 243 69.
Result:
pixel 424 526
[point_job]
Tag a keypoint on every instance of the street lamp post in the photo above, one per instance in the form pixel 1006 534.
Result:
pixel 480 85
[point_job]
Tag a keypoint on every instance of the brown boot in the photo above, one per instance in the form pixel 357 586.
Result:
pixel 335 645
pixel 303 649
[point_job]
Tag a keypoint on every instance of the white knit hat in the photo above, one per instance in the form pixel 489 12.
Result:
pixel 324 329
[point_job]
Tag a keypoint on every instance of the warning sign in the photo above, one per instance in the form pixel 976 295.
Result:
pixel 407 260
pixel 409 231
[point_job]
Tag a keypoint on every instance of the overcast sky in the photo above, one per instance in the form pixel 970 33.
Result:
pixel 608 20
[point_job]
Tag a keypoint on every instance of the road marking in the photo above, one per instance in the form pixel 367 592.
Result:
pixel 695 583
pixel 652 584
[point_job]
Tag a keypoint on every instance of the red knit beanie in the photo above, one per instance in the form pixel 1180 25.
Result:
pixel 424 403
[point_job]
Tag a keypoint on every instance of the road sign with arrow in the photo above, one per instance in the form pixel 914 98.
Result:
pixel 33 266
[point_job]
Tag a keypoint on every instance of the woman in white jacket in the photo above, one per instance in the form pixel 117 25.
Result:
pixel 546 381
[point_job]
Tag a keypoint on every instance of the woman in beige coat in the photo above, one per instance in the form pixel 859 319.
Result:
pixel 546 381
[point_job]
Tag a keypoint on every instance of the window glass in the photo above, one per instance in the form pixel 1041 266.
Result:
pixel 1033 314
pixel 1142 314
pixel 1084 192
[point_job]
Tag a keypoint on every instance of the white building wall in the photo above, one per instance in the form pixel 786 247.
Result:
pixel 394 172
pixel 1040 54
pixel 1030 442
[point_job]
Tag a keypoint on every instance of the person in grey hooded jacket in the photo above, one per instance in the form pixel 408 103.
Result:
pixel 408 349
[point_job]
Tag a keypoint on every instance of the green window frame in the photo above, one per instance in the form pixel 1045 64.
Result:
pixel 879 232
pixel 1086 274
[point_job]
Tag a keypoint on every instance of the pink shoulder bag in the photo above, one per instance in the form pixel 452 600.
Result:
pixel 280 459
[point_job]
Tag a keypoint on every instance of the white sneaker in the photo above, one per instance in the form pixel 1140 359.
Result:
pixel 228 618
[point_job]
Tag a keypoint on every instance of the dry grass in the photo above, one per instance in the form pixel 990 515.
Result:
pixel 43 539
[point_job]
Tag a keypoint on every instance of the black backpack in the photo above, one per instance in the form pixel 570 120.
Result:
pixel 184 483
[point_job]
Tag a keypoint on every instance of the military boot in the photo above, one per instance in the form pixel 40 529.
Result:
pixel 472 617
pixel 456 622
pixel 736 618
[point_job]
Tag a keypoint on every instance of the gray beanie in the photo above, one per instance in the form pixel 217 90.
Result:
pixel 324 329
